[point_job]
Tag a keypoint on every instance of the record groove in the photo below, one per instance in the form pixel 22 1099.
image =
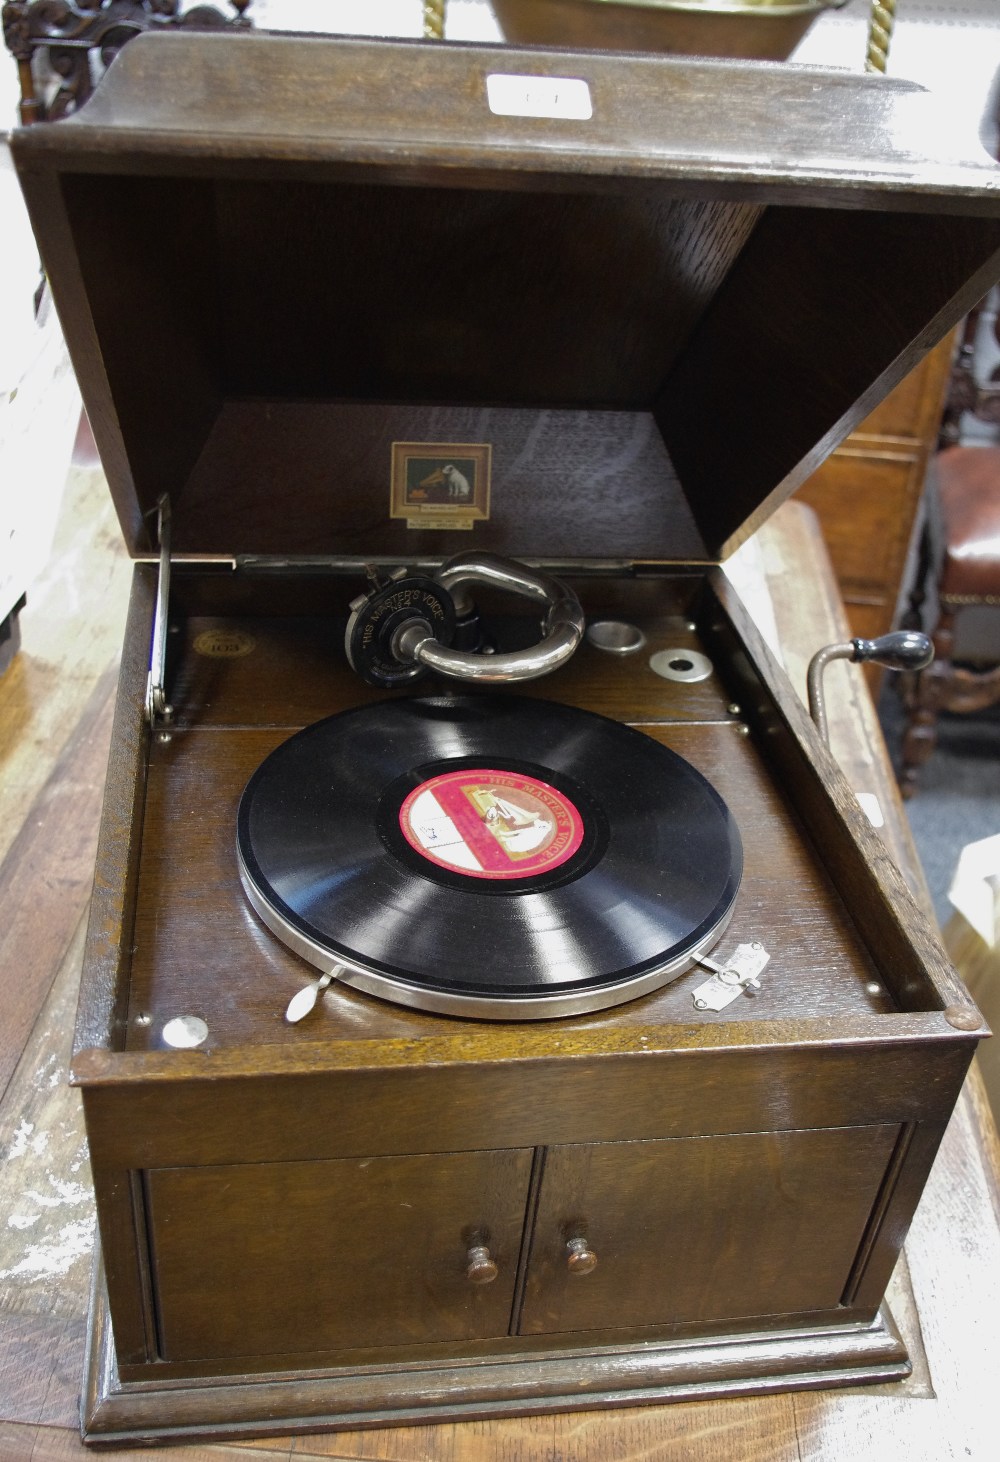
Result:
pixel 488 855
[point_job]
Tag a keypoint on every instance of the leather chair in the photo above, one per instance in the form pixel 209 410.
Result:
pixel 962 552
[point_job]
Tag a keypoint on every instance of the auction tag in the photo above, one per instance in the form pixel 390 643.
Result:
pixel 562 97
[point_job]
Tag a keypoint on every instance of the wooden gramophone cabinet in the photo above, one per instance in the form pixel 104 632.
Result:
pixel 274 258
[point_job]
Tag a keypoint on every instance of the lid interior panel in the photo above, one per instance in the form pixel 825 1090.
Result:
pixel 660 324
pixel 147 259
pixel 824 313
pixel 370 293
pixel 278 336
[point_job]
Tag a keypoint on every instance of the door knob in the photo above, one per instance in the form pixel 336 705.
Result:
pixel 480 1267
pixel 580 1257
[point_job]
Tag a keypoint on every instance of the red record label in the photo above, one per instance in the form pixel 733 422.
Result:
pixel 491 824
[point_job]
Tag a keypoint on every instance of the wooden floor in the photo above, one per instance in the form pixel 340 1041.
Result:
pixel 55 709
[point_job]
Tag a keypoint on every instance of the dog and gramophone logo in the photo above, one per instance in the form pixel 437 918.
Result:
pixel 443 485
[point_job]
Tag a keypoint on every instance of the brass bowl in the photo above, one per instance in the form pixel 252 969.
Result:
pixel 760 30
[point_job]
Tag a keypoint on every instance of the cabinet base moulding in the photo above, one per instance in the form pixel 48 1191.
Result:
pixel 116 1412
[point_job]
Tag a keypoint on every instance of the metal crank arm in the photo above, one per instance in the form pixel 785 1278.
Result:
pixel 901 650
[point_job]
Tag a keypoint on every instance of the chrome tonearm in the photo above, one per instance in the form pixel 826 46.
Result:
pixel 406 626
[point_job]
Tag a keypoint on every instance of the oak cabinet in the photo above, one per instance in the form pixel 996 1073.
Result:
pixel 688 1230
pixel 249 1259
pixel 680 320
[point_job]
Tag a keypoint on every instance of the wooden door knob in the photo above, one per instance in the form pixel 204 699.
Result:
pixel 580 1257
pixel 481 1268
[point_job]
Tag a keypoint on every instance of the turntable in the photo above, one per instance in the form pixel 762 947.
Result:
pixel 483 856
pixel 462 1045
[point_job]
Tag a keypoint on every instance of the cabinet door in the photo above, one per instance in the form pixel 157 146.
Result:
pixel 300 1256
pixel 701 1228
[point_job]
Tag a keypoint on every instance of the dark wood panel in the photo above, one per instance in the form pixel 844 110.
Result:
pixel 197 948
pixel 411 295
pixel 766 1224
pixel 120 1214
pixel 104 995
pixel 251 1259
pixel 417 1388
pixel 244 671
pixel 419 114
pixel 908 1173
pixel 564 483
pixel 446 1104
pixel 44 196
pixel 806 276
pixel 868 494
pixel 157 323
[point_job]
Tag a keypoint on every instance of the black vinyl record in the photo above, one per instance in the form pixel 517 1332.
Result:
pixel 488 855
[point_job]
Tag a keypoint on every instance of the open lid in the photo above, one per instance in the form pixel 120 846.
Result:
pixel 648 294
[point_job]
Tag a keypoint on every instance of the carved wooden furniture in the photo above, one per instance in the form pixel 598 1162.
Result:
pixel 294 1219
pixel 73 40
pixel 966 392
pixel 10 634
pixel 959 571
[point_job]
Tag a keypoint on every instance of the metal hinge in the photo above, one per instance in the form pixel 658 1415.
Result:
pixel 573 568
pixel 158 712
pixel 359 563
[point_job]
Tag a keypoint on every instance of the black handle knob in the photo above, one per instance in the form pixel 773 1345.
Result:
pixel 903 649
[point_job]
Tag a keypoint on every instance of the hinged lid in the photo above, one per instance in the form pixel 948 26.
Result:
pixel 276 257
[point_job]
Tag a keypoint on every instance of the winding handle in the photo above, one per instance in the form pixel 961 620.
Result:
pixel 563 625
pixel 902 649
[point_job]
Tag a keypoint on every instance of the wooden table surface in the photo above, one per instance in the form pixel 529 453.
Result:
pixel 55 717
